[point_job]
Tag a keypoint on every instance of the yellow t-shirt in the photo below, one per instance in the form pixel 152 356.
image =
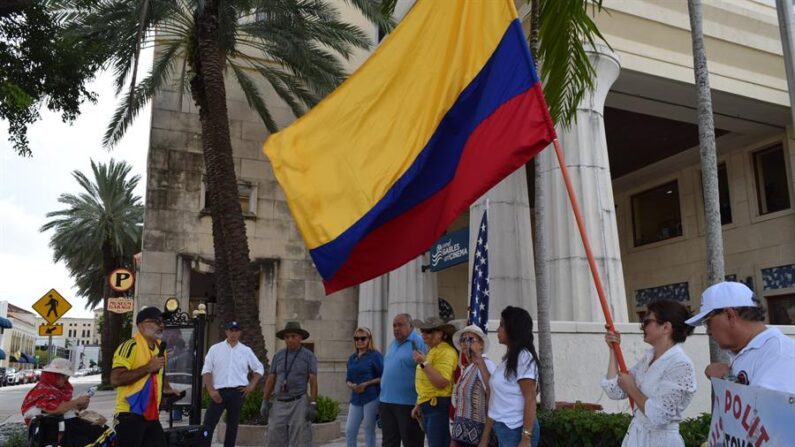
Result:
pixel 443 358
pixel 126 356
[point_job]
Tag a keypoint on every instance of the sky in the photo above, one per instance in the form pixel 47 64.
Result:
pixel 30 187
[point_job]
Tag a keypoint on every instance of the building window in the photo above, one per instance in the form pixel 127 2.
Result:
pixel 781 309
pixel 656 215
pixel 247 195
pixel 772 185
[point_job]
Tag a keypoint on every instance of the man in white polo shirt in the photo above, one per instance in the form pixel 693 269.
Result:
pixel 759 355
pixel 226 377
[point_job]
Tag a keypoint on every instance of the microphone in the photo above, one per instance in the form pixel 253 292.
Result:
pixel 161 349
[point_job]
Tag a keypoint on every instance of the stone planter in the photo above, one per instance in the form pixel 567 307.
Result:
pixel 256 435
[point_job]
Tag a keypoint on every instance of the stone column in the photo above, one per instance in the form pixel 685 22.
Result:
pixel 573 293
pixel 373 296
pixel 412 291
pixel 511 271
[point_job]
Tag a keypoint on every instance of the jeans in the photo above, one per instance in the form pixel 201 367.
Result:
pixel 511 437
pixel 357 413
pixel 436 422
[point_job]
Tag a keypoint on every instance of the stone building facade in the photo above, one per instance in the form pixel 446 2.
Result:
pixel 633 157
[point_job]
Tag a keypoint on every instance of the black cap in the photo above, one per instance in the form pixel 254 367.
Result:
pixel 147 313
pixel 233 325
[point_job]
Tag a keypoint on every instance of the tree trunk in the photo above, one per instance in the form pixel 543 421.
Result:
pixel 111 328
pixel 709 165
pixel 547 370
pixel 234 276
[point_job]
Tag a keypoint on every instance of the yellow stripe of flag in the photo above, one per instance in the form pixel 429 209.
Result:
pixel 340 159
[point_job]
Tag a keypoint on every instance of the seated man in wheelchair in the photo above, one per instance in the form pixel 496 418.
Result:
pixel 55 418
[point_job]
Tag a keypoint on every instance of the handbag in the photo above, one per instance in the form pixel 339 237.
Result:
pixel 468 431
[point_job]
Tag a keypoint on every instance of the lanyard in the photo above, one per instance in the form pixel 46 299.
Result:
pixel 290 368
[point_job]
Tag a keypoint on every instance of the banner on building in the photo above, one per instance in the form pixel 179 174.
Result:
pixel 750 416
pixel 450 249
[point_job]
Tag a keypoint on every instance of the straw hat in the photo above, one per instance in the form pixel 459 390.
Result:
pixel 472 329
pixel 60 366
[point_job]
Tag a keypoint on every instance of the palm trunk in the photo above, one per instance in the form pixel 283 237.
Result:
pixel 111 329
pixel 234 275
pixel 709 165
pixel 547 370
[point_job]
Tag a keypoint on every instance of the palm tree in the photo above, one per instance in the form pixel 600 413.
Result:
pixel 98 231
pixel 709 165
pixel 295 46
pixel 567 75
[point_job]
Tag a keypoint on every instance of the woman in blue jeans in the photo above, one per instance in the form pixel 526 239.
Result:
pixel 512 401
pixel 365 366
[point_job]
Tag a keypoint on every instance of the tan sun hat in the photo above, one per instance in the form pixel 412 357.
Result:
pixel 60 366
pixel 472 329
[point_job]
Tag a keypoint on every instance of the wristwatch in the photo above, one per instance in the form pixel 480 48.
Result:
pixel 424 364
pixel 526 432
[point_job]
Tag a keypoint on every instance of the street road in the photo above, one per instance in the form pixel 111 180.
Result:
pixel 11 397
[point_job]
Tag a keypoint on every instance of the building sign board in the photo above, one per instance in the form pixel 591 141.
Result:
pixel 450 249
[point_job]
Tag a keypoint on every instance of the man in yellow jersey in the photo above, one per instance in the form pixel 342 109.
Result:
pixel 138 377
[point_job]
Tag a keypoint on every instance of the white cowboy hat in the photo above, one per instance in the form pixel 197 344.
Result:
pixel 60 366
pixel 473 329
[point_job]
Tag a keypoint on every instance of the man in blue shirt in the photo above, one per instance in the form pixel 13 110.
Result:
pixel 398 395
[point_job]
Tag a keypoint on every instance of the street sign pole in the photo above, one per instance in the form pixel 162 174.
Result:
pixel 49 350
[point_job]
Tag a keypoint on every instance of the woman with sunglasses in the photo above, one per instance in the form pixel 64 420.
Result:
pixel 471 391
pixel 662 383
pixel 365 366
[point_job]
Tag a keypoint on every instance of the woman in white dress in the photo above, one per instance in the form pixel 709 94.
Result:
pixel 661 384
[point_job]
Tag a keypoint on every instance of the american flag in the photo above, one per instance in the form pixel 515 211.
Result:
pixel 479 298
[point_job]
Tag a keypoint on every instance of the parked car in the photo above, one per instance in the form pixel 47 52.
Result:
pixel 30 376
pixel 37 372
pixel 10 376
pixel 2 376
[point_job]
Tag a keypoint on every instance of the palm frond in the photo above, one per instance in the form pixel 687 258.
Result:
pixel 567 73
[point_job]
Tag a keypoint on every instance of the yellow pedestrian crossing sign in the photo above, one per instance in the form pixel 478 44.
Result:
pixel 50 329
pixel 52 306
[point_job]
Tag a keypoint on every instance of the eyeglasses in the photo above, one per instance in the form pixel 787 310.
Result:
pixel 154 321
pixel 645 322
pixel 468 340
pixel 360 338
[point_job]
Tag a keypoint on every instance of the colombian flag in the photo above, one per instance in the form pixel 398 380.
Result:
pixel 445 108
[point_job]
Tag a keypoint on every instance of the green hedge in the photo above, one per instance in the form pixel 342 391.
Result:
pixel 586 428
pixel 327 410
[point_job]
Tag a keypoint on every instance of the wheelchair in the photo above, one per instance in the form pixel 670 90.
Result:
pixel 55 431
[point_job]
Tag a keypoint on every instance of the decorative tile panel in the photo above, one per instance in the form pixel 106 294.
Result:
pixel 778 277
pixel 676 292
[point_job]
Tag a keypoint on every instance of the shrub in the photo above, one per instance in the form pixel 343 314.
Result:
pixel 695 430
pixel 16 438
pixel 327 410
pixel 249 413
pixel 582 427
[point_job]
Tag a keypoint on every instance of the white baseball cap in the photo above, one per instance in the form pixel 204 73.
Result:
pixel 723 295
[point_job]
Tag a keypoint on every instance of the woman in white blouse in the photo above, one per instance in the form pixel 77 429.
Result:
pixel 662 383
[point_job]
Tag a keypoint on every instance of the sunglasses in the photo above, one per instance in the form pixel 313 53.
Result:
pixel 468 340
pixel 360 338
pixel 646 322
pixel 152 320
